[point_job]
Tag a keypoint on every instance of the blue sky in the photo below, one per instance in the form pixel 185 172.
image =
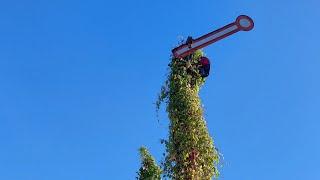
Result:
pixel 78 82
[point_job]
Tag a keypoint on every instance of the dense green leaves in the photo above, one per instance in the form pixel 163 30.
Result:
pixel 149 169
pixel 190 152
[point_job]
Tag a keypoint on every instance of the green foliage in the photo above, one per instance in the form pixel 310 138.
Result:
pixel 149 170
pixel 190 152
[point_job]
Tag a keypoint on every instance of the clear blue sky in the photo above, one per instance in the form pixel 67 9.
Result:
pixel 78 80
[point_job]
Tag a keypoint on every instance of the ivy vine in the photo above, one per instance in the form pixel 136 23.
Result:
pixel 190 152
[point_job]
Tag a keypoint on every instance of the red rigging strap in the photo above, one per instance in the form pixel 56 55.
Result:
pixel 242 23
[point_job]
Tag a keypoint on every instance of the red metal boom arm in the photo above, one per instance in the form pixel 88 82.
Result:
pixel 242 23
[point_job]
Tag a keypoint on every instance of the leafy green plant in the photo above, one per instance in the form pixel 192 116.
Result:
pixel 149 170
pixel 190 151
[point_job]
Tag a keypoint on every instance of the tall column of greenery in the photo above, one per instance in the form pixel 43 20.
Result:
pixel 190 152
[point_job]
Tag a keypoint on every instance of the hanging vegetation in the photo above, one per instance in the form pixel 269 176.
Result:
pixel 190 152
